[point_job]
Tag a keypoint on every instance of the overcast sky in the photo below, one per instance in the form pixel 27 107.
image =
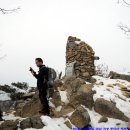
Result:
pixel 41 27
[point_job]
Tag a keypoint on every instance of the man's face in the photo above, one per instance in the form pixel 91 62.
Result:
pixel 38 64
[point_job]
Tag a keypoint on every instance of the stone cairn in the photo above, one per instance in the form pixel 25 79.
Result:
pixel 79 58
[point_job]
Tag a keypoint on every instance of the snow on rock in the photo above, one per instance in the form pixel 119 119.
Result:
pixel 112 93
pixel 10 116
pixel 111 122
pixel 63 96
pixel 4 96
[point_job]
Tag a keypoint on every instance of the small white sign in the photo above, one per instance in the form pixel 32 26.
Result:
pixel 69 71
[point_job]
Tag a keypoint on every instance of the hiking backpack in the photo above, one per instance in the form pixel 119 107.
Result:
pixel 51 76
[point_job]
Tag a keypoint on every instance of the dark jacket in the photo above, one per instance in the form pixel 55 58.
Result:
pixel 42 76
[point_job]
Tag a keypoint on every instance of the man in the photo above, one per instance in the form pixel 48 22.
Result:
pixel 42 78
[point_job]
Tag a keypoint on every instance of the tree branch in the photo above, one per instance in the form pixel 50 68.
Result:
pixel 124 1
pixel 125 29
pixel 7 11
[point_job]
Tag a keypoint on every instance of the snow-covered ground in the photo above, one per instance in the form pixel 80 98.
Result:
pixel 106 88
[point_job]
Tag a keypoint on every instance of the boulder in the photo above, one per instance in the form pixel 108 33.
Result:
pixel 33 122
pixel 103 119
pixel 115 75
pixel 28 108
pixel 31 108
pixel 66 109
pixel 80 118
pixel 67 81
pixel 109 109
pixel 73 87
pixel 68 124
pixel 9 125
pixel 85 95
pixel 6 105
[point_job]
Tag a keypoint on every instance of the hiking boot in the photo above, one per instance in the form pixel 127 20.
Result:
pixel 44 112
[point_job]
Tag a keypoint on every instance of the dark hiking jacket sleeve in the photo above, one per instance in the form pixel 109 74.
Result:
pixel 41 76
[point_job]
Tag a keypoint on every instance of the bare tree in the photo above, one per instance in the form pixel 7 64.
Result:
pixel 125 2
pixel 125 28
pixel 8 11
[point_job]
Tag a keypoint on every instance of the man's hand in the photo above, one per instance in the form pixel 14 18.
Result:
pixel 32 71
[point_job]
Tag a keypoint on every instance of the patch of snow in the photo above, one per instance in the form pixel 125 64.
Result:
pixel 58 108
pixel 19 90
pixel 63 96
pixel 4 96
pixel 113 94
pixel 11 116
pixel 51 104
pixel 53 124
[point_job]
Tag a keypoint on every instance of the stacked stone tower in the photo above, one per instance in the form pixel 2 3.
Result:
pixel 79 58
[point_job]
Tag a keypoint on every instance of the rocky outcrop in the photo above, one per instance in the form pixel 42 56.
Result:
pixel 9 125
pixel 6 105
pixel 82 56
pixel 115 75
pixel 28 108
pixel 80 118
pixel 73 85
pixel 78 92
pixel 33 122
pixel 108 109
pixel 85 95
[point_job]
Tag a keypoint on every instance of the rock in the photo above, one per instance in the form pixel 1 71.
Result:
pixel 9 125
pixel 6 105
pixel 108 109
pixel 28 95
pixel 122 87
pixel 103 119
pixel 129 124
pixel 31 108
pixel 66 109
pixel 115 75
pixel 33 122
pixel 110 85
pixel 73 87
pixel 85 95
pixel 118 124
pixel 68 124
pixel 126 94
pixel 67 81
pixel 80 118
pixel 56 99
pixel 25 124
pixel 58 83
pixel 28 108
